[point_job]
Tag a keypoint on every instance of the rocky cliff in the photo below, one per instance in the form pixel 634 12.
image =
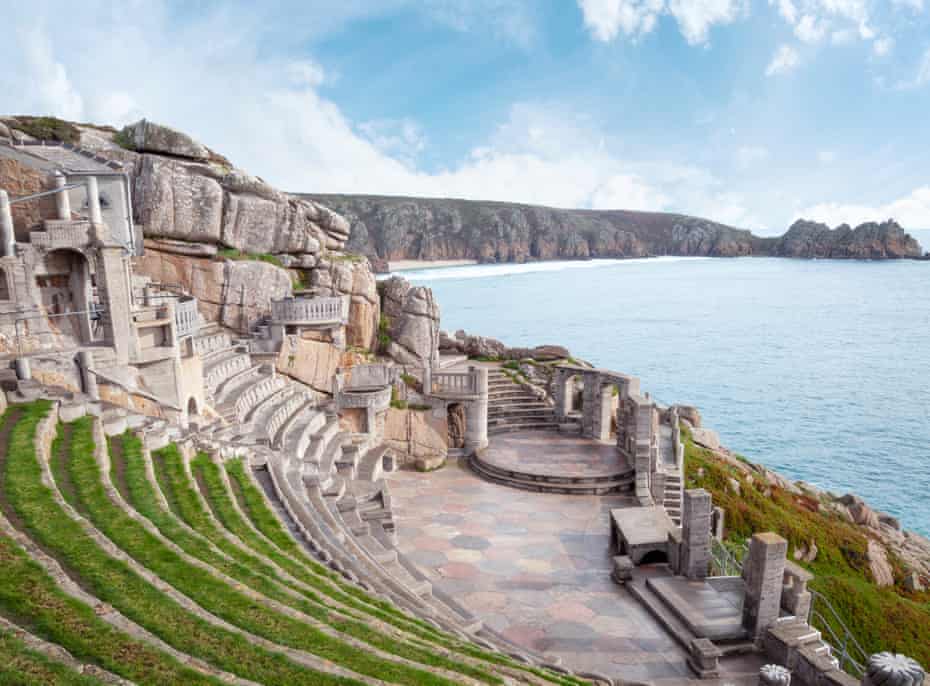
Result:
pixel 394 228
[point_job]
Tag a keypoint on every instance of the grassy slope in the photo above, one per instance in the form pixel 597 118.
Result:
pixel 880 618
pixel 21 665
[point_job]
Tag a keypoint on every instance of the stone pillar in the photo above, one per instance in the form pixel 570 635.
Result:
pixel 718 519
pixel 89 380
pixel 891 669
pixel 695 533
pixel 93 200
pixel 23 368
pixel 774 675
pixel 476 412
pixel 606 401
pixel 590 406
pixel 112 272
pixel 763 571
pixel 7 235
pixel 62 199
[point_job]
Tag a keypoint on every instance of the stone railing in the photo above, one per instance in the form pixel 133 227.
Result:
pixel 310 310
pixel 62 234
pixel 453 383
pixel 204 345
pixel 186 317
pixel 368 376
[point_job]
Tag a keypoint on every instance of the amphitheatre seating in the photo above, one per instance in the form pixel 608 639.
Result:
pixel 203 589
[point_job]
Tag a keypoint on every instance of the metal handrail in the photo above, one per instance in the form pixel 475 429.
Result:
pixel 846 649
pixel 725 562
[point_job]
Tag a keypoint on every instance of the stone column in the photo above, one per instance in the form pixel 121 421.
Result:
pixel 763 572
pixel 476 412
pixel 605 412
pixel 696 511
pixel 93 200
pixel 23 368
pixel 85 361
pixel 7 235
pixel 891 669
pixel 590 406
pixel 62 199
pixel 111 271
pixel 774 675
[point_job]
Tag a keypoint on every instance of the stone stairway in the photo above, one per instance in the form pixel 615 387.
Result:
pixel 511 407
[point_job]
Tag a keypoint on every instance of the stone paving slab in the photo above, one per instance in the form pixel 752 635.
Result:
pixel 707 612
pixel 533 566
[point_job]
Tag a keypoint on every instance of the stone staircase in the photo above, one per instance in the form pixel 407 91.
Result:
pixel 512 407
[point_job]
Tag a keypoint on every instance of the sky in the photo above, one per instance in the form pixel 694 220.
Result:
pixel 749 112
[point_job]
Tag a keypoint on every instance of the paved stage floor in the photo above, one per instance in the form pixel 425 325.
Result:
pixel 554 454
pixel 533 566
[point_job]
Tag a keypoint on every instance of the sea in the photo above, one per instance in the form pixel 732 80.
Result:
pixel 819 369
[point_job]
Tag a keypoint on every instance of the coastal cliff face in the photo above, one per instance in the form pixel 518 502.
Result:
pixel 395 228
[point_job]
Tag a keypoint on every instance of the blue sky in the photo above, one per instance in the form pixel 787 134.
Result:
pixel 751 112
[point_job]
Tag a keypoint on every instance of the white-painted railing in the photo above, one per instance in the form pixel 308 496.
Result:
pixel 310 310
pixel 186 317
pixel 62 234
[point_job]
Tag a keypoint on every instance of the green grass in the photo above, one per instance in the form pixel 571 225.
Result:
pixel 30 597
pixel 123 139
pixel 19 664
pixel 879 618
pixel 236 254
pixel 265 521
pixel 384 332
pixel 47 128
pixel 249 569
pixel 209 592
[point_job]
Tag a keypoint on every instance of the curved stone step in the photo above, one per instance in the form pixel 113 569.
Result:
pixel 600 485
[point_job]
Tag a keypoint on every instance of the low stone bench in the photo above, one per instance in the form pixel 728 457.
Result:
pixel 704 658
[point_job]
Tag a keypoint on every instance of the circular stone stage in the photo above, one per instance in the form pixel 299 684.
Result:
pixel 546 461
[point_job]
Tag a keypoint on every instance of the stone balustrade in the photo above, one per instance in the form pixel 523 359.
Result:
pixel 226 369
pixel 377 400
pixel 795 598
pixel 186 317
pixel 368 376
pixel 204 345
pixel 58 234
pixel 454 383
pixel 323 310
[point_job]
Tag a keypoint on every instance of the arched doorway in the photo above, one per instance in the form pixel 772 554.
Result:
pixel 65 282
pixel 456 421
pixel 654 557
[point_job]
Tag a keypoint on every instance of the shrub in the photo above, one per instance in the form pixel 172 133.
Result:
pixel 236 254
pixel 47 128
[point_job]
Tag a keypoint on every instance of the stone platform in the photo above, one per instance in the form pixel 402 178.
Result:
pixel 555 463
pixel 639 531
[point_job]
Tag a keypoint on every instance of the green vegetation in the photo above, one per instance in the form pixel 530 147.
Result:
pixel 880 618
pixel 484 358
pixel 124 140
pixel 396 402
pixel 46 128
pixel 236 254
pixel 411 381
pixel 384 332
pixel 28 594
pixel 512 365
pixel 21 665
pixel 419 407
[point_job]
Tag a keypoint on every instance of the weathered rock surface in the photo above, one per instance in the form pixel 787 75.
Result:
pixel 148 136
pixel 394 228
pixel 312 362
pixel 355 279
pixel 879 565
pixel 415 331
pixel 233 293
pixel 867 241
pixel 417 435
pixel 861 513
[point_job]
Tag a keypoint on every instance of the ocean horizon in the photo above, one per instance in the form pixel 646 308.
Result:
pixel 815 368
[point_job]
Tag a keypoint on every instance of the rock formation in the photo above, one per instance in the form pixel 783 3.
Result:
pixel 394 228
pixel 414 328
pixel 867 241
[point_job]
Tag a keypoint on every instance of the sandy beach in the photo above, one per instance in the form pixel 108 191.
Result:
pixel 405 265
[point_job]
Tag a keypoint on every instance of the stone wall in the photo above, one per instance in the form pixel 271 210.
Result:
pixel 418 436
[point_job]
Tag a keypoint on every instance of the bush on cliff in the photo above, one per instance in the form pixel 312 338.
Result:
pixel 879 618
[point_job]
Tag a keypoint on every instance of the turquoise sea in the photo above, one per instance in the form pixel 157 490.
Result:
pixel 819 369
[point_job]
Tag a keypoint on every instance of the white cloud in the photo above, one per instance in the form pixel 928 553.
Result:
pixel 921 77
pixel 883 46
pixel 784 60
pixel 787 9
pixel 810 29
pixel 606 19
pixel 826 156
pixel 911 211
pixel 916 5
pixel 695 17
pixel 306 73
pixel 751 155
pixel 48 86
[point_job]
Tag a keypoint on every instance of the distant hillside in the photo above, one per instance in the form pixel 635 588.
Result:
pixel 394 228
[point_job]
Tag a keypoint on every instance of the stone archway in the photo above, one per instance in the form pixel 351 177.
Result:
pixel 654 557
pixel 193 413
pixel 65 283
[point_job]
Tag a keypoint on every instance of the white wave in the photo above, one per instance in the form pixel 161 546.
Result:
pixel 479 271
